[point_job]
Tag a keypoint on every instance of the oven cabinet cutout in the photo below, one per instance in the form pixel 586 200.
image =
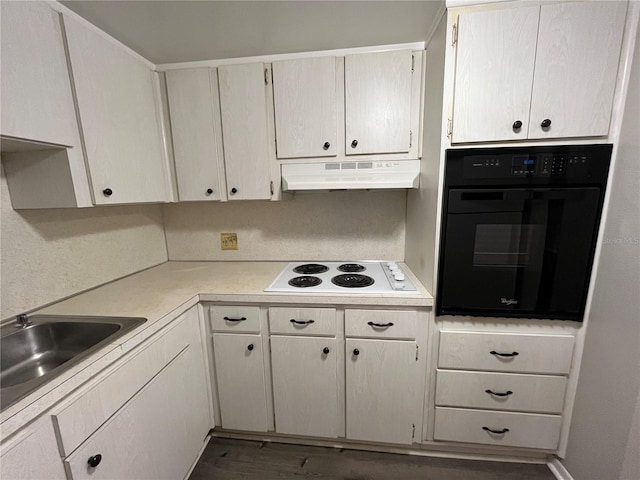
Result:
pixel 194 107
pixel 502 388
pixel 305 103
pixel 384 377
pixel 243 108
pixel 356 107
pixel 117 99
pixel 307 364
pixel 536 72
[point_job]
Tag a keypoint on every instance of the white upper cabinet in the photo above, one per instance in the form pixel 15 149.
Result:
pixel 243 106
pixel 536 72
pixel 378 102
pixel 576 67
pixel 116 95
pixel 37 101
pixel 197 137
pixel 494 74
pixel 305 100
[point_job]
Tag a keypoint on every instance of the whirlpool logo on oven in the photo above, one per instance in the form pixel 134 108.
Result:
pixel 508 301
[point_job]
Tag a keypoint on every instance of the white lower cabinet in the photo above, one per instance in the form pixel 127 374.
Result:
pixel 502 388
pixel 157 434
pixel 305 385
pixel 241 385
pixel 382 386
pixel 497 428
pixel 33 455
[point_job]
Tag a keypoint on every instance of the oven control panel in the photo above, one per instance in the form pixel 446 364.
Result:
pixel 524 165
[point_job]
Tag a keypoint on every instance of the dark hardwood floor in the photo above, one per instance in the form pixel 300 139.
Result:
pixel 226 459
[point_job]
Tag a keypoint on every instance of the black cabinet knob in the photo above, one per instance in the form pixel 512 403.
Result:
pixel 325 350
pixel 354 144
pixel 517 125
pixel 326 145
pixel 356 352
pixel 546 123
pixel 234 190
pixel 95 460
pixel 209 191
pixel 107 192
pixel 250 347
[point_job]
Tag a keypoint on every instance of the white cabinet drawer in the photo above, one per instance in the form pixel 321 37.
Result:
pixel 506 352
pixel 497 428
pixel 302 321
pixel 80 417
pixel 237 319
pixel 501 391
pixel 399 324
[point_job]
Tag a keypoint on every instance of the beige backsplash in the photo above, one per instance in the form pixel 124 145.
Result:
pixel 310 226
pixel 50 254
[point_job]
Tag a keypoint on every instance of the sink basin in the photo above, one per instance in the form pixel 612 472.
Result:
pixel 31 356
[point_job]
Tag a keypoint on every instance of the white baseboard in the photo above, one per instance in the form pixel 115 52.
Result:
pixel 558 469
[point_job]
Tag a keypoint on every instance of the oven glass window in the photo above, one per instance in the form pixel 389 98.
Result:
pixel 506 245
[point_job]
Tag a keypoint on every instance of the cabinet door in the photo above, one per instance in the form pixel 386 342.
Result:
pixel 304 94
pixel 118 113
pixel 382 390
pixel 494 73
pixel 37 103
pixel 196 132
pixel 305 385
pixel 378 102
pixel 242 392
pixel 243 106
pixel 576 67
pixel 159 433
pixel 35 456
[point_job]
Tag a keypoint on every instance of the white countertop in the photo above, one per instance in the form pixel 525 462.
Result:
pixel 161 293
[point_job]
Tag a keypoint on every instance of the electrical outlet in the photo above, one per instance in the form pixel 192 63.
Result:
pixel 229 241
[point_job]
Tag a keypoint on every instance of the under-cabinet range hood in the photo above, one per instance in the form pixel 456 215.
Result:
pixel 351 175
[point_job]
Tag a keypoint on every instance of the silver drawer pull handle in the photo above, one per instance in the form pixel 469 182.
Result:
pixel 380 325
pixel 497 432
pixel 499 394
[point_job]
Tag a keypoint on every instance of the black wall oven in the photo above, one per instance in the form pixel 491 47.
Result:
pixel 519 230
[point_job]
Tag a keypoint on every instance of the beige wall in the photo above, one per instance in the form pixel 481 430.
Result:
pixel 50 254
pixel 311 226
pixel 604 441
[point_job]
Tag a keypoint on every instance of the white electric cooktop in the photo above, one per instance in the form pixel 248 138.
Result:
pixel 357 277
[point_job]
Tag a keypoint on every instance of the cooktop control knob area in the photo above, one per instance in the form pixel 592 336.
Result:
pixel 399 276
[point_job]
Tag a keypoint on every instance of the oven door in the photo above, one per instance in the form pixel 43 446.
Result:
pixel 521 252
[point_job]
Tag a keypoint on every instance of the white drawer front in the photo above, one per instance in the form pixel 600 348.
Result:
pixel 302 321
pixel 501 391
pixel 527 430
pixel 399 324
pixel 506 352
pixel 238 319
pixel 79 418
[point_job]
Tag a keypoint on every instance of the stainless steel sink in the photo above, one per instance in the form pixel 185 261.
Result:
pixel 32 355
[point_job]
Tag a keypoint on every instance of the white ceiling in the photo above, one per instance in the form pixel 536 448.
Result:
pixel 184 30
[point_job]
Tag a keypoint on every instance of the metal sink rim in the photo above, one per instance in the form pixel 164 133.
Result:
pixel 13 394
